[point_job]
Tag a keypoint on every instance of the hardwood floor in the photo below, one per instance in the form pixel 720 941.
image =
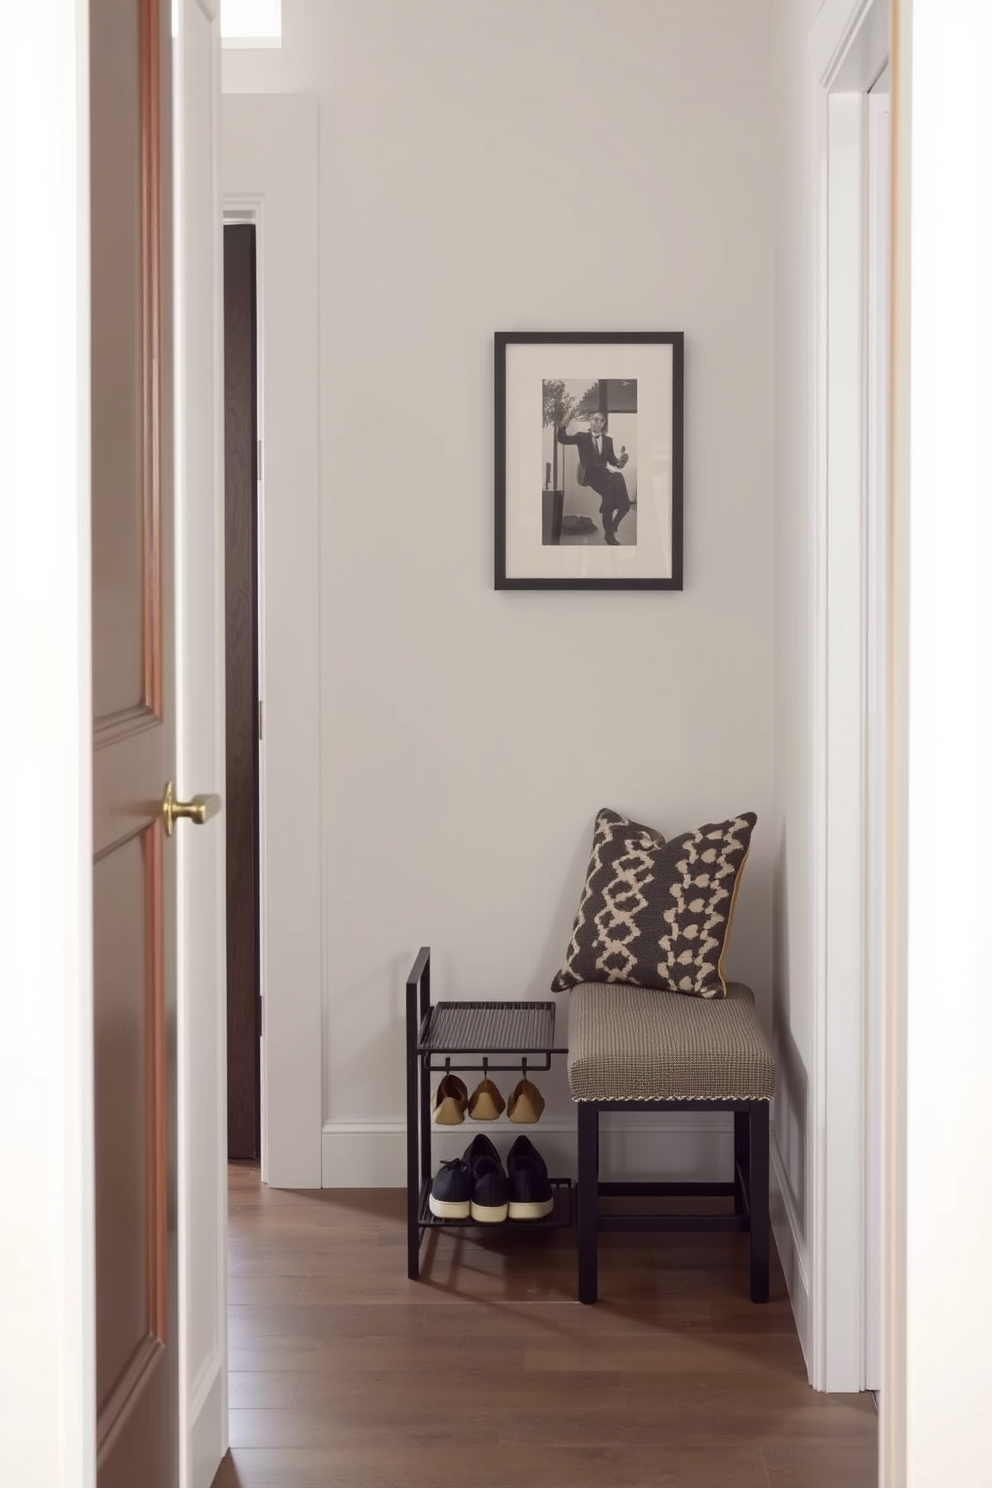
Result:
pixel 344 1374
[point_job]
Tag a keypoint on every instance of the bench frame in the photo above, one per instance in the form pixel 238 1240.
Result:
pixel 749 1189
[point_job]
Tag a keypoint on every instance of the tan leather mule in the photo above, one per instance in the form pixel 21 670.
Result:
pixel 526 1103
pixel 485 1102
pixel 450 1100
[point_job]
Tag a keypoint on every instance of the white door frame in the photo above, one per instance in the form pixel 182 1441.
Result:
pixel 270 177
pixel 848 50
pixel 877 540
pixel 200 742
pixel 248 210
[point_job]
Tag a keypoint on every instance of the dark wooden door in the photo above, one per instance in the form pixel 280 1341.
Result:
pixel 134 877
pixel 241 553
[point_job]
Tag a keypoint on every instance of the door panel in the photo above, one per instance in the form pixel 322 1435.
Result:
pixel 128 1242
pixel 126 306
pixel 133 697
pixel 118 285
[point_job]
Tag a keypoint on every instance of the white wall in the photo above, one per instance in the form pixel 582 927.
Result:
pixel 790 824
pixel 470 736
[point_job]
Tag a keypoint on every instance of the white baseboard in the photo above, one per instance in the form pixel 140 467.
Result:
pixel 687 1145
pixel 790 1242
pixel 207 1430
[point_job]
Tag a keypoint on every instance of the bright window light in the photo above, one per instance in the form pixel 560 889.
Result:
pixel 251 23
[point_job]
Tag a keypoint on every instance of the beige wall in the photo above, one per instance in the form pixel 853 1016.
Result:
pixel 470 736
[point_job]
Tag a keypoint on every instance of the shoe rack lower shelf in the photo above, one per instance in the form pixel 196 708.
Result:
pixel 561 1216
pixel 453 1036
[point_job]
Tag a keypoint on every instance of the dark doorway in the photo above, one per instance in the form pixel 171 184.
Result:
pixel 242 711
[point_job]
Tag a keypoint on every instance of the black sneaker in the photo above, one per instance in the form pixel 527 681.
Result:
pixel 451 1191
pixel 530 1188
pixel 490 1193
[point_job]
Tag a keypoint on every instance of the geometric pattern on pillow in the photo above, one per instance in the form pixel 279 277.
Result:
pixel 656 913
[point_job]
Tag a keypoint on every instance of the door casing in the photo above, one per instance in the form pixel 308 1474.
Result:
pixel 200 732
pixel 849 47
pixel 270 176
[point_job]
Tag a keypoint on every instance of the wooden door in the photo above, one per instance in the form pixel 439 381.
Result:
pixel 241 582
pixel 134 1027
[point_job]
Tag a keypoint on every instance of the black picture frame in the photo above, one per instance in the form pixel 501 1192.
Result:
pixel 561 540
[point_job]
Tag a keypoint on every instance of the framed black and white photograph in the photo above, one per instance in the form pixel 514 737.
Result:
pixel 589 460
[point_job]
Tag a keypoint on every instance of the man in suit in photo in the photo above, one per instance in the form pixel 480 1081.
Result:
pixel 596 456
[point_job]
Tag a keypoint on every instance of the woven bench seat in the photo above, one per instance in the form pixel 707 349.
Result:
pixel 637 1044
pixel 633 1048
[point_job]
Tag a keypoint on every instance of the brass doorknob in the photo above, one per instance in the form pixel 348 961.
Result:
pixel 199 810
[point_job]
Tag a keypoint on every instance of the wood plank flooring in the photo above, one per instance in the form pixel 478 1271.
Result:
pixel 344 1374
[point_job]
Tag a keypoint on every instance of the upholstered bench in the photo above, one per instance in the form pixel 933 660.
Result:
pixel 635 1049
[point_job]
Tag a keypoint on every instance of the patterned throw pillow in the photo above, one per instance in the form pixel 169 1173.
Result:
pixel 656 913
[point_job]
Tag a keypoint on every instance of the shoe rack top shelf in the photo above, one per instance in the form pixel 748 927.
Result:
pixel 491 1028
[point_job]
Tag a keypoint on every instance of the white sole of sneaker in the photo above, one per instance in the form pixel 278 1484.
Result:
pixel 482 1214
pixel 444 1209
pixel 532 1211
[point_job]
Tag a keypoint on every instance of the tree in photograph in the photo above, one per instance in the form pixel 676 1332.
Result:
pixel 560 408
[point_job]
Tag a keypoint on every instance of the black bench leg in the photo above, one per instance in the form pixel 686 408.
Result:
pixel 758 1200
pixel 588 1199
pixel 742 1159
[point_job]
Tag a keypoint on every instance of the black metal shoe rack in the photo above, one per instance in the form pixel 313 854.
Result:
pixel 442 1038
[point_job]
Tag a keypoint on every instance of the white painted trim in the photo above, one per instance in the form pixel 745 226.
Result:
pixel 845 987
pixel 212 11
pixel 816 1122
pixel 248 210
pixel 788 1231
pixel 685 1145
pixel 681 1122
pixel 848 44
pixel 836 23
pixel 207 1423
pixel 878 288
pixel 848 50
pixel 47 1260
pixel 817 1095
pixel 200 742
pixel 894 1418
pixel 270 145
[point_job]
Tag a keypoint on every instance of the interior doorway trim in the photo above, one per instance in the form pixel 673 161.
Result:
pixel 247 211
pixel 244 215
pixel 270 177
pixel 878 540
pixel 849 48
